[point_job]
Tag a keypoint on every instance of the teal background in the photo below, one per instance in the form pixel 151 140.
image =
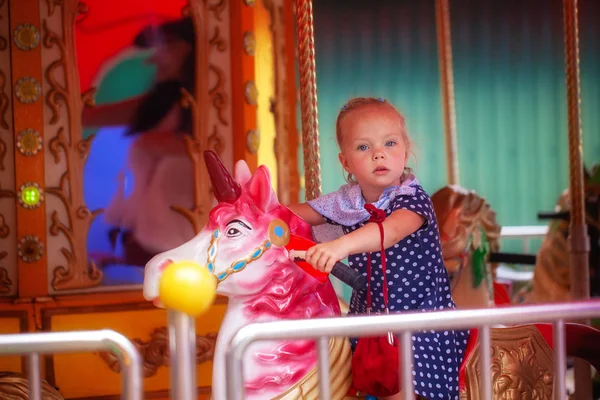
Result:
pixel 509 87
pixel 510 95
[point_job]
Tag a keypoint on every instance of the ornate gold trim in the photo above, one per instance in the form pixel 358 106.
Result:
pixel 279 104
pixel 30 249
pixel 250 3
pixel 253 141
pixel 26 37
pixel 155 352
pixel 250 92
pixel 521 365
pixel 29 142
pixel 5 281
pixel 3 110
pixel 28 90
pixel 249 43
pixel 14 385
pixel 198 104
pixel 79 272
pixel 40 195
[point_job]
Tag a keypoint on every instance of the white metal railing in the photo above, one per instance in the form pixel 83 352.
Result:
pixel 404 324
pixel 523 232
pixel 35 344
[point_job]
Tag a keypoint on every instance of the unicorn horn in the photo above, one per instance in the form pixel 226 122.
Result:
pixel 225 188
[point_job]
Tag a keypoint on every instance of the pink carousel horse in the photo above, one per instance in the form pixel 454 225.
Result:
pixel 242 245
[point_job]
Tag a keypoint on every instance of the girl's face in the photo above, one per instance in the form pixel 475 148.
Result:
pixel 373 148
pixel 168 58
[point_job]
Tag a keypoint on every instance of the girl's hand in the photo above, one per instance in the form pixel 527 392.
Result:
pixel 323 256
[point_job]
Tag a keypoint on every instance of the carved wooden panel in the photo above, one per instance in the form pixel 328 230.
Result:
pixel 521 366
pixel 8 238
pixel 279 104
pixel 220 135
pixel 69 218
pixel 155 352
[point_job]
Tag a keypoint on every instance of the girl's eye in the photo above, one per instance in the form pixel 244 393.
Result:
pixel 362 147
pixel 233 232
pixel 390 143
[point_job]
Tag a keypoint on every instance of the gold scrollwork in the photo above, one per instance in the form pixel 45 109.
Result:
pixel 217 40
pixel 155 352
pixel 79 272
pixel 3 102
pixel 249 43
pixel 521 365
pixel 253 141
pixel 28 90
pixel 218 8
pixel 218 95
pixel 3 150
pixel 251 92
pixel 5 281
pixel 215 142
pixel 26 37
pixel 29 142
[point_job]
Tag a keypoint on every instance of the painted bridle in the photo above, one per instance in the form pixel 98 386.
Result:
pixel 279 235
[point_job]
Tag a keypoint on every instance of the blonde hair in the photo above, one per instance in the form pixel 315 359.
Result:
pixel 357 103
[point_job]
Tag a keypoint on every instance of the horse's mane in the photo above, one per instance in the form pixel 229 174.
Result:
pixel 475 212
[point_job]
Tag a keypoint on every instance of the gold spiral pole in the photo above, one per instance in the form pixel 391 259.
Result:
pixel 308 98
pixel 579 242
pixel 442 12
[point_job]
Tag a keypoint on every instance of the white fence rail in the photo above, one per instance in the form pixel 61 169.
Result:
pixel 35 344
pixel 403 325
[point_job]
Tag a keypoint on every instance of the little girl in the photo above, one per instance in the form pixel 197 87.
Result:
pixel 374 148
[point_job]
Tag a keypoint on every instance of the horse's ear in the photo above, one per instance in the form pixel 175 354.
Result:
pixel 242 172
pixel 259 188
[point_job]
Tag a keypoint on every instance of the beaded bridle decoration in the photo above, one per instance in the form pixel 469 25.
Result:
pixel 279 235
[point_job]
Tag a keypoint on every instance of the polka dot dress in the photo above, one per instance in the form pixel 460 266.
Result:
pixel 417 280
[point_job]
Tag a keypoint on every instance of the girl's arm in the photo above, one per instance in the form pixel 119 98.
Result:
pixel 400 224
pixel 307 213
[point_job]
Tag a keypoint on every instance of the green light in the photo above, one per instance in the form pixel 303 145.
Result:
pixel 30 195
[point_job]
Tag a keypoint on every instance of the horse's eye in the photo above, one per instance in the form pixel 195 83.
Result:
pixel 233 232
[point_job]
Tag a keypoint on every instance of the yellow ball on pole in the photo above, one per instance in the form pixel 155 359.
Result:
pixel 187 287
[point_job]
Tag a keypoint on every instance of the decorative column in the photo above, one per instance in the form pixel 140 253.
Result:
pixel 579 241
pixel 27 100
pixel 8 221
pixel 243 87
pixel 444 35
pixel 308 98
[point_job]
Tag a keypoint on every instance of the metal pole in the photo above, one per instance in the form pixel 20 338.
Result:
pixel 579 241
pixel 406 361
pixel 485 345
pixel 560 360
pixel 405 323
pixel 35 377
pixel 324 379
pixel 442 12
pixel 82 341
pixel 182 345
pixel 235 372
pixel 308 98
